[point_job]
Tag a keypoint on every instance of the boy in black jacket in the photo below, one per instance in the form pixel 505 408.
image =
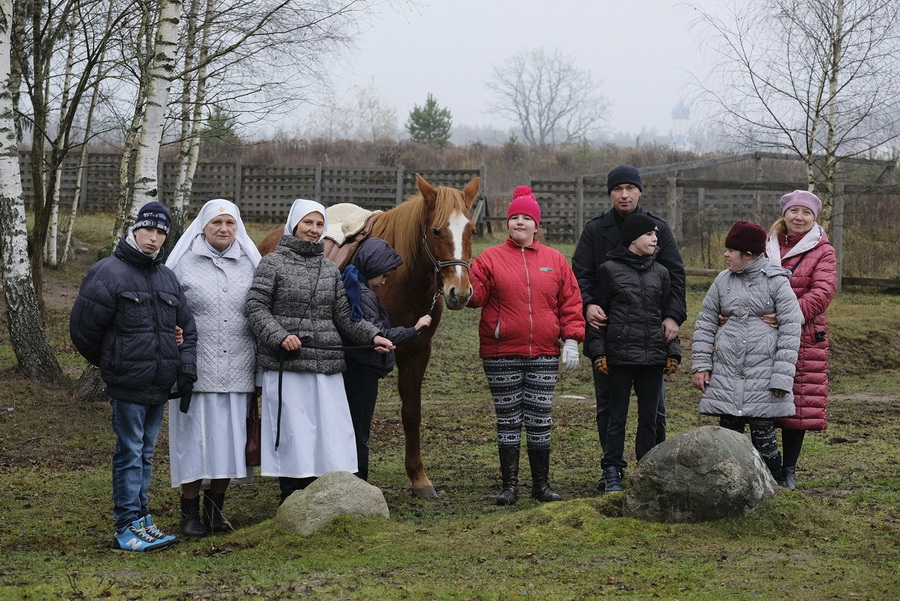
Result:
pixel 633 290
pixel 124 321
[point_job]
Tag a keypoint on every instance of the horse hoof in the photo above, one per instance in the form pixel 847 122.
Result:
pixel 424 492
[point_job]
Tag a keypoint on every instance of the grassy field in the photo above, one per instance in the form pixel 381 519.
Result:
pixel 836 537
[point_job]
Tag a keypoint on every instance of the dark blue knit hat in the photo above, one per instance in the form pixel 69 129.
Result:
pixel 624 174
pixel 155 215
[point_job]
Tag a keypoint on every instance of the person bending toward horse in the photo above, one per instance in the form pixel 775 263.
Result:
pixel 530 308
pixel 215 261
pixel 374 261
pixel 298 310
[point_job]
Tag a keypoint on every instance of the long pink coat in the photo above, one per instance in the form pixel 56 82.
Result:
pixel 812 260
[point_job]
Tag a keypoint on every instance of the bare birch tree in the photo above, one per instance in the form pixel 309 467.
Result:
pixel 24 317
pixel 817 78
pixel 547 97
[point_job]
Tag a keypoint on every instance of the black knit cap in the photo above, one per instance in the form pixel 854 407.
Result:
pixel 635 226
pixel 153 215
pixel 624 174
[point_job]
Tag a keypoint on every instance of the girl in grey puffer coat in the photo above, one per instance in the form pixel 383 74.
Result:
pixel 745 368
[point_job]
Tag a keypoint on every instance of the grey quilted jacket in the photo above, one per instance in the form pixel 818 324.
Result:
pixel 747 358
pixel 216 290
pixel 297 286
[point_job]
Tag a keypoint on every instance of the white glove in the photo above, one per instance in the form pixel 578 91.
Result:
pixel 569 355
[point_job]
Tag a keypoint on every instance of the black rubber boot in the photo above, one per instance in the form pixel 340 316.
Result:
pixel 540 467
pixel 509 472
pixel 212 512
pixel 613 478
pixel 190 518
pixel 774 465
pixel 789 472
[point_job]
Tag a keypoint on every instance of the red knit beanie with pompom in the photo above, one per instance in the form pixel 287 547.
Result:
pixel 524 203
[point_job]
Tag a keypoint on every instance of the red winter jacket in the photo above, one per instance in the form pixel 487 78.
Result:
pixel 529 298
pixel 813 281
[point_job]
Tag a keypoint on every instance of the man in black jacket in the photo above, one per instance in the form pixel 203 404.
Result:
pixel 603 234
pixel 124 321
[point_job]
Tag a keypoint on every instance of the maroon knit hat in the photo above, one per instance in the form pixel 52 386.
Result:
pixel 524 202
pixel 746 237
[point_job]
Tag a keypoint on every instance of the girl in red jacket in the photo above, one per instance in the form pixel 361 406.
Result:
pixel 531 306
pixel 798 243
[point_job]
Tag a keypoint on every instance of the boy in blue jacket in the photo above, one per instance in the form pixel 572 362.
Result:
pixel 373 263
pixel 124 321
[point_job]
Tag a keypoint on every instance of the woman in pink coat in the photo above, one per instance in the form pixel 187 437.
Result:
pixel 799 244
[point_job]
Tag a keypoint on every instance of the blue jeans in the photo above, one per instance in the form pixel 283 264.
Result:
pixel 136 427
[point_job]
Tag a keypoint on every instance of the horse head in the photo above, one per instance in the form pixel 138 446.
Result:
pixel 447 238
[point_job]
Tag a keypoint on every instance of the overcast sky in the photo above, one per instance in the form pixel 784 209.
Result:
pixel 640 51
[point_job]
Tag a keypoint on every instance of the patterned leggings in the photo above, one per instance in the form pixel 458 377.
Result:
pixel 762 434
pixel 523 393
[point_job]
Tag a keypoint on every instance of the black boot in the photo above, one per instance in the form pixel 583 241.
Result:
pixel 540 467
pixel 789 472
pixel 190 518
pixel 509 471
pixel 212 512
pixel 613 478
pixel 774 465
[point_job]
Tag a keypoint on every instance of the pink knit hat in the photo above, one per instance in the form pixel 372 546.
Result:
pixel 524 202
pixel 801 198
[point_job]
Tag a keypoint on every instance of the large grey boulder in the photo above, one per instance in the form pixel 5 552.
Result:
pixel 331 495
pixel 703 474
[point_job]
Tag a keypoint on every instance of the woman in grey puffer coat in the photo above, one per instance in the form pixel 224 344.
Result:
pixel 745 368
pixel 296 306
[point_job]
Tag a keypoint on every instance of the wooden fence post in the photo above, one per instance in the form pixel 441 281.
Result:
pixel 400 177
pixel 672 205
pixel 579 206
pixel 837 231
pixel 238 182
pixel 318 188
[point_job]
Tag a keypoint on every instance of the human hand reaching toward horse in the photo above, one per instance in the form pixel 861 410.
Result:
pixel 423 323
pixel 382 345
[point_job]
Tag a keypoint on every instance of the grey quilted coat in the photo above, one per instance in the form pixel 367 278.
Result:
pixel 297 286
pixel 748 358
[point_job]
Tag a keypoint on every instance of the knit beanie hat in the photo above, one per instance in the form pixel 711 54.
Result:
pixel 635 226
pixel 746 237
pixel 801 198
pixel 524 202
pixel 155 215
pixel 624 174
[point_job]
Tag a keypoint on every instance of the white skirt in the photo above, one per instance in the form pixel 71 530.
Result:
pixel 316 428
pixel 208 442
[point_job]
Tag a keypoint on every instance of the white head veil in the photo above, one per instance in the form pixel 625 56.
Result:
pixel 300 209
pixel 209 211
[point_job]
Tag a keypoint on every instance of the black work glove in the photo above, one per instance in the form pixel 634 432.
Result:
pixel 185 385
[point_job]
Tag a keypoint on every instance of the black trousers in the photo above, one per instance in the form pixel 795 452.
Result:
pixel 601 393
pixel 647 382
pixel 361 385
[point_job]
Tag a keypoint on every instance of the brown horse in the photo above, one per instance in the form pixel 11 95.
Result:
pixel 432 233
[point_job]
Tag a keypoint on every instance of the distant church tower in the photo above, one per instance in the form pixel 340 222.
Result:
pixel 680 125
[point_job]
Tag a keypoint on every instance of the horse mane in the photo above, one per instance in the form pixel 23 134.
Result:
pixel 404 225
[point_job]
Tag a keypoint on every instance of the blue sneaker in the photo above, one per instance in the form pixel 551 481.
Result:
pixel 153 530
pixel 136 538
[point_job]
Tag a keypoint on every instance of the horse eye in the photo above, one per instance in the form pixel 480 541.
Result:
pixel 436 232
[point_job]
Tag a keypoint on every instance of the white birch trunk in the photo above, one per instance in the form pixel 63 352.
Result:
pixel 24 318
pixel 162 70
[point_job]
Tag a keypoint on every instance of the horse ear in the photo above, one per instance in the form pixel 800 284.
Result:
pixel 471 191
pixel 425 189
